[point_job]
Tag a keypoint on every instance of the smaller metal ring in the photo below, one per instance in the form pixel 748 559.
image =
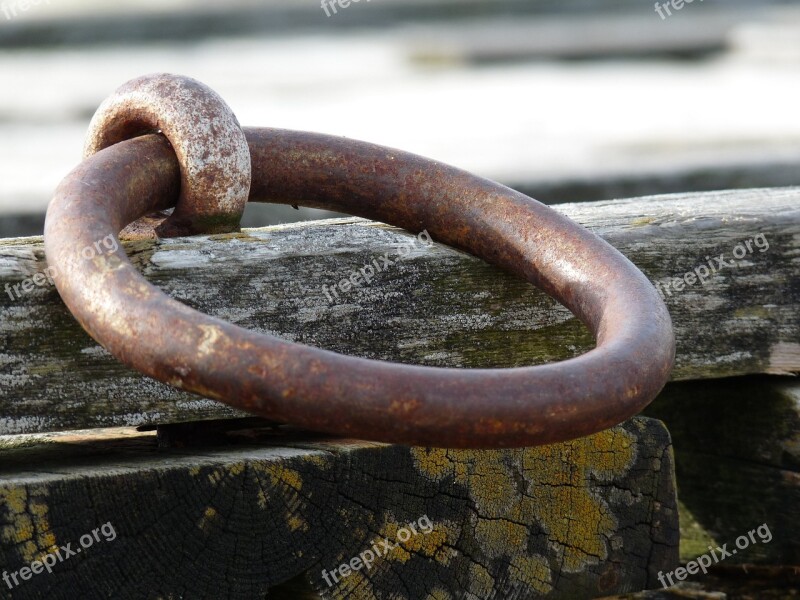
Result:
pixel 206 136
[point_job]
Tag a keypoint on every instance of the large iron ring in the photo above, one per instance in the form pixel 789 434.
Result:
pixel 350 396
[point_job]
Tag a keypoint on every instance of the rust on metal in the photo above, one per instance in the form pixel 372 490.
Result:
pixel 206 137
pixel 350 396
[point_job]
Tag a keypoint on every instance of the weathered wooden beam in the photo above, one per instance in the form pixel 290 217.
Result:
pixel 437 307
pixel 737 454
pixel 267 508
pixel 738 583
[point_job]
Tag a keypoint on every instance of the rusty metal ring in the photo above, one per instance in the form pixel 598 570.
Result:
pixel 206 136
pixel 329 392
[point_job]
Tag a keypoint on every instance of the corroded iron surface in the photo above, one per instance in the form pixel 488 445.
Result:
pixel 325 391
pixel 205 135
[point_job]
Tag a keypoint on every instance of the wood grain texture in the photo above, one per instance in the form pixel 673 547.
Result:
pixel 749 583
pixel 436 307
pixel 274 508
pixel 737 453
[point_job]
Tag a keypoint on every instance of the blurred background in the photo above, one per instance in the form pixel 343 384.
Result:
pixel 565 100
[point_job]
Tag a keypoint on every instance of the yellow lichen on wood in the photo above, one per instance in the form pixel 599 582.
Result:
pixel 15 498
pixel 612 452
pixel 236 469
pixel 277 477
pixel 557 496
pixel 21 530
pixel 280 475
pixel 492 481
pixel 433 462
pixel 501 537
pixel 481 582
pixel 397 553
pixel 261 499
pixel 436 544
pixel 318 460
pixel 577 522
pixel 29 528
pixel 209 515
pixel 296 522
pixel 533 571
pixel 215 476
pixel 218 474
pixel 289 483
pixel 356 586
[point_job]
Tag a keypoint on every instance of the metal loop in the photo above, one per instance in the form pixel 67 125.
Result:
pixel 207 138
pixel 325 391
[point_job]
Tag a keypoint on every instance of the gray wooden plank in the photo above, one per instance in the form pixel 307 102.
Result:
pixel 438 307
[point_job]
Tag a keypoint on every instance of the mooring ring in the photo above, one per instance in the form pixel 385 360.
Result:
pixel 206 136
pixel 329 392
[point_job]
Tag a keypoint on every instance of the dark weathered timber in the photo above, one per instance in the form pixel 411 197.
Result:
pixel 683 591
pixel 274 508
pixel 751 582
pixel 438 307
pixel 737 454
